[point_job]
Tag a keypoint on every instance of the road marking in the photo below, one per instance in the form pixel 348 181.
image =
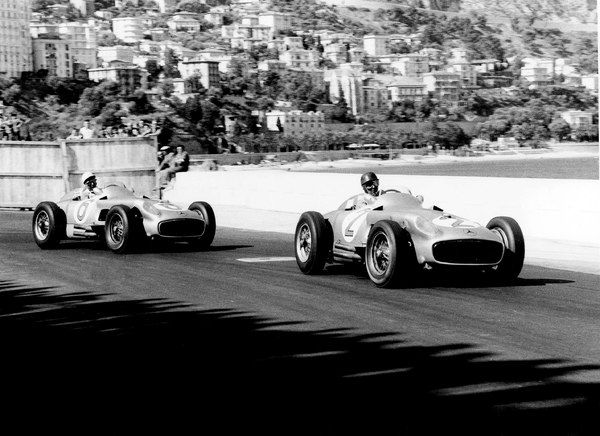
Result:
pixel 266 259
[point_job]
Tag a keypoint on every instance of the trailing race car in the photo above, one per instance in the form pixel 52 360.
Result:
pixel 122 218
pixel 396 236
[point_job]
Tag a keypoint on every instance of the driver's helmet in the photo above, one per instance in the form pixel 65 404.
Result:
pixel 87 177
pixel 370 183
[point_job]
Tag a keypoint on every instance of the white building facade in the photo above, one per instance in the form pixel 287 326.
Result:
pixel 15 39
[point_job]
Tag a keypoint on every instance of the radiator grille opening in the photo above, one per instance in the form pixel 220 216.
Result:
pixel 181 227
pixel 468 251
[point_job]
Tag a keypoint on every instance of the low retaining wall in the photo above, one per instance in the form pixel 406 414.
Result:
pixel 545 208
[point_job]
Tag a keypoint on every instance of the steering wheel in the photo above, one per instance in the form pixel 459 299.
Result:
pixel 390 190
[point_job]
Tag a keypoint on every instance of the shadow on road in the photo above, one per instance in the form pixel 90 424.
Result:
pixel 444 278
pixel 161 351
pixel 150 247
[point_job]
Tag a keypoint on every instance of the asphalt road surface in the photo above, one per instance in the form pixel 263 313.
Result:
pixel 240 322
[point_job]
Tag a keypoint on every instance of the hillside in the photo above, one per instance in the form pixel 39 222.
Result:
pixel 574 11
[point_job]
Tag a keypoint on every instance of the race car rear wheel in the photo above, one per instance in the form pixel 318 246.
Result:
pixel 48 225
pixel 121 229
pixel 389 254
pixel 206 212
pixel 514 248
pixel 312 242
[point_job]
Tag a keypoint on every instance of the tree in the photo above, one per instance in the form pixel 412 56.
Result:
pixel 195 6
pixel 341 112
pixel 93 100
pixel 559 129
pixel 171 62
pixel 140 104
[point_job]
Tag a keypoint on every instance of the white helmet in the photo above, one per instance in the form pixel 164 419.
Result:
pixel 87 175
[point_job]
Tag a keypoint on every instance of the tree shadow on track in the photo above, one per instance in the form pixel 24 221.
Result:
pixel 162 352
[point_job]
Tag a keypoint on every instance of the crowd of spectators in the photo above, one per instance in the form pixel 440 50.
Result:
pixel 12 128
pixel 126 130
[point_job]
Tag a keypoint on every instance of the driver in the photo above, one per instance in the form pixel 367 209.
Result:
pixel 370 184
pixel 90 186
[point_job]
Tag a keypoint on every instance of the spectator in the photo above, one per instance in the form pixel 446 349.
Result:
pixel 173 163
pixel 16 127
pixel 7 132
pixel 74 134
pixel 181 160
pixel 145 130
pixel 222 145
pixel 86 131
pixel 164 156
pixel 154 129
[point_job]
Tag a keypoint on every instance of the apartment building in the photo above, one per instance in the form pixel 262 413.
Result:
pixel 116 53
pixel 85 7
pixel 406 89
pixel 443 86
pixel 300 58
pixel 577 118
pixel 53 55
pixel 184 21
pixel 15 39
pixel 277 21
pixel 128 29
pixel 296 123
pixel 82 40
pixel 411 65
pixel 376 45
pixel 208 71
pixel 129 76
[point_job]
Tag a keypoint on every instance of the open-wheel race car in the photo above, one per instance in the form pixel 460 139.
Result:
pixel 122 218
pixel 395 236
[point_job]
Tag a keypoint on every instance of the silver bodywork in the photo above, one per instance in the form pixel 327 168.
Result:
pixel 439 238
pixel 86 217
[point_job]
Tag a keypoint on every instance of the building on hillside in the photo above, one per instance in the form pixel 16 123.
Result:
pixel 82 41
pixel 485 65
pixel 346 83
pixel 337 53
pixel 433 54
pixel 120 4
pixel 407 88
pixel 375 94
pixel 85 7
pixel 577 118
pixel 376 45
pixel 104 15
pixel 467 73
pixel 128 29
pixel 494 80
pixel 411 65
pixel 166 5
pixel 459 54
pixel 537 76
pixel 443 86
pixel 15 37
pixel 39 29
pixel 277 21
pixel 54 56
pixel 272 65
pixel 184 22
pixel 208 71
pixel 293 42
pixel 214 17
pixel 216 55
pixel 356 54
pixel 295 123
pixel 590 81
pixel 300 58
pixel 129 76
pixel 123 53
pixel 141 60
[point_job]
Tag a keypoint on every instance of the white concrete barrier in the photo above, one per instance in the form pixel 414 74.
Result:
pixel 550 209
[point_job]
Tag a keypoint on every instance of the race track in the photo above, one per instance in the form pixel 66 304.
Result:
pixel 515 358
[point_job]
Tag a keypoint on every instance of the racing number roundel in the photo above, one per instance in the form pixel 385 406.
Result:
pixel 352 222
pixel 81 211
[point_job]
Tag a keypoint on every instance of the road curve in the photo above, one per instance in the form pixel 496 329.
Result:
pixel 241 314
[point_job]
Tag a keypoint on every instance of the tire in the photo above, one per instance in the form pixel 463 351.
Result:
pixel 514 248
pixel 49 225
pixel 313 241
pixel 389 256
pixel 204 209
pixel 122 229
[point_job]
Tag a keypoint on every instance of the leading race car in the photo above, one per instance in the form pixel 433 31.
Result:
pixel 396 236
pixel 122 218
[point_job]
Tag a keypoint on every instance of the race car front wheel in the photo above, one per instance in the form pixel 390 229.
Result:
pixel 389 254
pixel 206 212
pixel 48 225
pixel 121 229
pixel 514 248
pixel 312 242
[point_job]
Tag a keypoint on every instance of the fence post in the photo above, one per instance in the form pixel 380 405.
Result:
pixel 65 164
